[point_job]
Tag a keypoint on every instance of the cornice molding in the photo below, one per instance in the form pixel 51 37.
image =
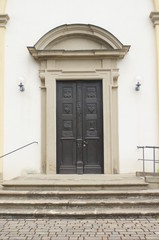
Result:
pixel 3 20
pixel 112 47
pixel 46 54
pixel 154 16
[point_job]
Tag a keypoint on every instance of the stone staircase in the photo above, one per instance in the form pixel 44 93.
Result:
pixel 78 196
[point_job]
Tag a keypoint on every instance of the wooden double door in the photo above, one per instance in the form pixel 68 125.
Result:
pixel 79 127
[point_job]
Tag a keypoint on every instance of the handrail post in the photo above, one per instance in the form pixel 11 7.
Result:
pixel 143 149
pixel 154 170
pixel 153 159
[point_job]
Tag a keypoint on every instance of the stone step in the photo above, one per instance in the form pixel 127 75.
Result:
pixel 101 194
pixel 74 213
pixel 78 196
pixel 79 203
pixel 75 186
pixel 77 182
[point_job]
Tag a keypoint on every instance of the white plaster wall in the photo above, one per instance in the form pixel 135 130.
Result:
pixel 129 22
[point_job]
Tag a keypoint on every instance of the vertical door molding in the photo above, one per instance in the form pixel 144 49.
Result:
pixel 115 137
pixel 110 115
pixel 50 84
pixel 43 117
pixel 107 121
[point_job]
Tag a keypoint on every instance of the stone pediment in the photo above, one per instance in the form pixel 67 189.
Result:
pixel 77 43
pixel 78 40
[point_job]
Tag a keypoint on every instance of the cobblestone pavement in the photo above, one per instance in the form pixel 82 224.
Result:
pixel 80 229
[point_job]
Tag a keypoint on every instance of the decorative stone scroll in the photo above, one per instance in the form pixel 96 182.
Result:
pixel 3 20
pixel 154 16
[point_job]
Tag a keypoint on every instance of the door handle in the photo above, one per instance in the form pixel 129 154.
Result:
pixel 85 143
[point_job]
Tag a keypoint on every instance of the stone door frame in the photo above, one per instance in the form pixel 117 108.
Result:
pixel 70 63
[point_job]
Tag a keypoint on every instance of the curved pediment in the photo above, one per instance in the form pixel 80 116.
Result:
pixel 78 39
pixel 77 42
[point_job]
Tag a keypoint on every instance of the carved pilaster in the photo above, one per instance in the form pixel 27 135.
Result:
pixel 3 20
pixel 155 20
pixel 43 120
pixel 114 123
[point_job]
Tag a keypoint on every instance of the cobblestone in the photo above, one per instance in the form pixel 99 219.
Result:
pixel 138 228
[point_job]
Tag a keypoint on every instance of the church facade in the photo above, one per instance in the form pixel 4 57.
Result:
pixel 79 86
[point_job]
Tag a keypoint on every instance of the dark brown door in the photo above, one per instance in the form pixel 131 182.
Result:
pixel 79 127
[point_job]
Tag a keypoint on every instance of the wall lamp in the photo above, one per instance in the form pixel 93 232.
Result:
pixel 21 87
pixel 137 87
pixel 21 84
pixel 138 82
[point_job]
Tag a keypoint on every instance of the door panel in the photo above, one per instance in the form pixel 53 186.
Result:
pixel 79 127
pixel 92 127
pixel 66 127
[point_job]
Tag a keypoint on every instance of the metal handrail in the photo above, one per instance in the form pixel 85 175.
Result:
pixel 18 149
pixel 150 160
